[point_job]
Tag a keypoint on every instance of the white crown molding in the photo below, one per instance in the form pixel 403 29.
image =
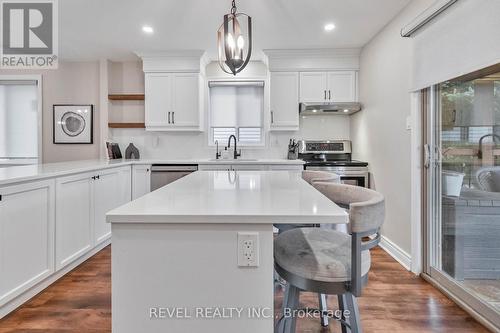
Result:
pixel 313 59
pixel 193 61
pixel 313 53
pixel 170 53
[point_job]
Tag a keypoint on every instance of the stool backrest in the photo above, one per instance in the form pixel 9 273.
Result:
pixel 366 207
pixel 366 216
pixel 312 177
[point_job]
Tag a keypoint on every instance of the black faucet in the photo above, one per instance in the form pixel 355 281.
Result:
pixel 480 152
pixel 236 154
pixel 217 153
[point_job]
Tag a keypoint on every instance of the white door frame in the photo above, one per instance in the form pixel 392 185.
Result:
pixel 38 78
pixel 416 183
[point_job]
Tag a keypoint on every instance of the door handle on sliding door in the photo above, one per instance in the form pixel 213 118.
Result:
pixel 169 117
pixel 427 156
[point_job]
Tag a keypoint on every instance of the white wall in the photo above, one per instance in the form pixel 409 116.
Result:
pixel 379 132
pixel 71 83
pixel 195 145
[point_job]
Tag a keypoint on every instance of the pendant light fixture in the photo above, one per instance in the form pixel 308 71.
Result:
pixel 234 41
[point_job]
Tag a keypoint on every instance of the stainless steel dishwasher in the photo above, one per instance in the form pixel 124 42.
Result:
pixel 163 174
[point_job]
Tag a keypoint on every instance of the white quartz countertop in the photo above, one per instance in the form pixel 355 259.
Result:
pixel 15 174
pixel 233 197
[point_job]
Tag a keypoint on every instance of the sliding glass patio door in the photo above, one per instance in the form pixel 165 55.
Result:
pixel 462 190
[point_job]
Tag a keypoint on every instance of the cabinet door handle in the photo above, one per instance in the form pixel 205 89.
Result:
pixel 169 117
pixel 329 94
pixel 0 197
pixel 173 117
pixel 97 177
pixel 272 117
pixel 93 177
pixel 325 94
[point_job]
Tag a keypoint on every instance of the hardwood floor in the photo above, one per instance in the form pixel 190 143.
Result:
pixel 395 301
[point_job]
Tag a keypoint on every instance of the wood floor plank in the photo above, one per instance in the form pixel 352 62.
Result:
pixel 394 301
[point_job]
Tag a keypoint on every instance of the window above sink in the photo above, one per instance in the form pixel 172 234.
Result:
pixel 236 108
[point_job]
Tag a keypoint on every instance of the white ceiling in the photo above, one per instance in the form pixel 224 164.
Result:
pixel 91 29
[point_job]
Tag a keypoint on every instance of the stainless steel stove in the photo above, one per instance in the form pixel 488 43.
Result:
pixel 334 156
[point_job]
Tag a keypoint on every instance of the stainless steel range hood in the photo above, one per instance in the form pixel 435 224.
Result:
pixel 329 108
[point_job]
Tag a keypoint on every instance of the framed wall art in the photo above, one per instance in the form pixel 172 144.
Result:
pixel 73 124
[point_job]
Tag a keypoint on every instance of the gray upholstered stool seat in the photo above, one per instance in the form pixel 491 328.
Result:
pixel 329 261
pixel 317 254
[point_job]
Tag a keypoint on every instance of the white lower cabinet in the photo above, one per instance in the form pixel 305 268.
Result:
pixel 286 167
pixel 243 167
pixel 47 225
pixel 74 215
pixel 107 196
pixel 82 202
pixel 141 180
pixel 26 237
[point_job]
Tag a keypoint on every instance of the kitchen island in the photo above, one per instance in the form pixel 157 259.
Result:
pixel 176 258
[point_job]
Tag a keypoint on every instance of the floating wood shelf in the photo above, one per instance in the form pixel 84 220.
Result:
pixel 126 125
pixel 126 97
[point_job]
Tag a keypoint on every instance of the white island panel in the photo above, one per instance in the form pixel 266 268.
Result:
pixel 175 250
pixel 192 267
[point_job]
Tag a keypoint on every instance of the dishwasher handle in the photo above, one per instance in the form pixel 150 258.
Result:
pixel 170 168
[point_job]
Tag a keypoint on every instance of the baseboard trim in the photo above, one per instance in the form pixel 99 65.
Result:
pixel 396 252
pixel 33 291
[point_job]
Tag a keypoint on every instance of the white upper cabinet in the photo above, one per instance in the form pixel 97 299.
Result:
pixel 342 86
pixel 172 101
pixel 174 93
pixel 284 101
pixel 313 87
pixel 158 99
pixel 186 109
pixel 334 86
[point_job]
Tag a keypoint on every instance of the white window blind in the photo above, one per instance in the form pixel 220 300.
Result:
pixel 237 108
pixel 18 119
pixel 461 40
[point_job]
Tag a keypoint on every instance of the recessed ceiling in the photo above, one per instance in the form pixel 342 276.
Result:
pixel 93 29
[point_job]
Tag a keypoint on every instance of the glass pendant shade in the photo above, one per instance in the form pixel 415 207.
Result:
pixel 234 42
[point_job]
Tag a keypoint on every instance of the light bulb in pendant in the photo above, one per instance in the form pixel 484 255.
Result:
pixel 241 42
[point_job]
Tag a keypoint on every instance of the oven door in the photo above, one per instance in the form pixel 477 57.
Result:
pixel 357 176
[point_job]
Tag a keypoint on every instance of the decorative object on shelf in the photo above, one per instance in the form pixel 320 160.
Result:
pixel 234 42
pixel 73 124
pixel 113 150
pixel 132 152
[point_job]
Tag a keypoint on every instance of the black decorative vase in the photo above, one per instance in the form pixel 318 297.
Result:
pixel 132 153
